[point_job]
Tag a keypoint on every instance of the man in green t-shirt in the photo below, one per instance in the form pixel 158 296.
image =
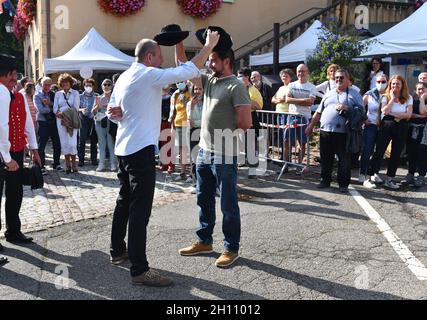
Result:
pixel 226 112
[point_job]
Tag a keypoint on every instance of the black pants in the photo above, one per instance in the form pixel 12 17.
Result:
pixel 137 175
pixel 46 131
pixel 14 194
pixel 332 143
pixel 417 153
pixel 393 131
pixel 87 131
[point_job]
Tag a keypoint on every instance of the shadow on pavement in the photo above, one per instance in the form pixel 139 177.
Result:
pixel 96 278
pixel 332 289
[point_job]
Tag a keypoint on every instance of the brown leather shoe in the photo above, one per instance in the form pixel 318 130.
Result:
pixel 151 278
pixel 226 259
pixel 196 248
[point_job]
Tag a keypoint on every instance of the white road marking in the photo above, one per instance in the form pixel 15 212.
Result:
pixel 415 265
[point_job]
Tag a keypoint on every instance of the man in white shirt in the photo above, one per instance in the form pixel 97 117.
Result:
pixel 7 70
pixel 301 95
pixel 22 136
pixel 136 106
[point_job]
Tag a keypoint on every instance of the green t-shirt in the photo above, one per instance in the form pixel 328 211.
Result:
pixel 219 132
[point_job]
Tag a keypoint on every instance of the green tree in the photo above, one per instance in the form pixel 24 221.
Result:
pixel 340 45
pixel 8 43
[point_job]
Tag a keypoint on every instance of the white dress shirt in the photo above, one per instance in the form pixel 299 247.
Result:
pixel 4 123
pixel 138 92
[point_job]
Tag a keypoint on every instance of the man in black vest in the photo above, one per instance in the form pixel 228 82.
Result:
pixel 7 73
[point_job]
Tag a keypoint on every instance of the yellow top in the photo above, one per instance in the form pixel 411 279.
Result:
pixel 179 103
pixel 255 96
pixel 281 93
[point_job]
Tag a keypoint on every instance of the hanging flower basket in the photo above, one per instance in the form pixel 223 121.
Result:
pixel 199 8
pixel 25 14
pixel 121 8
pixel 19 28
pixel 27 9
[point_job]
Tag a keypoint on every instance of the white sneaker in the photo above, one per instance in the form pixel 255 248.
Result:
pixel 192 190
pixel 362 178
pixel 377 178
pixel 100 168
pixel 113 168
pixel 369 184
pixel 389 183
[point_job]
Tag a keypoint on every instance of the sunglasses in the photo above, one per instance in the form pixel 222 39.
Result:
pixel 339 78
pixel 107 85
pixel 382 81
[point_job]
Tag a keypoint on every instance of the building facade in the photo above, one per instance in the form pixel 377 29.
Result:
pixel 60 24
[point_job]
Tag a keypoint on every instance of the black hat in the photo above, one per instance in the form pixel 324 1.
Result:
pixel 7 61
pixel 225 42
pixel 33 177
pixel 170 35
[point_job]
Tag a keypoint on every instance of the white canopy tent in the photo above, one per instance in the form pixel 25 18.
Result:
pixel 93 52
pixel 406 36
pixel 294 51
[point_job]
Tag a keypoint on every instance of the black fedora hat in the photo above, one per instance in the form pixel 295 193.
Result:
pixel 170 35
pixel 33 177
pixel 225 42
pixel 7 61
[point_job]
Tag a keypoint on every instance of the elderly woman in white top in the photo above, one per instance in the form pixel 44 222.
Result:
pixel 372 100
pixel 329 84
pixel 102 126
pixel 65 99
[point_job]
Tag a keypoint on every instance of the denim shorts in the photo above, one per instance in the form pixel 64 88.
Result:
pixel 293 134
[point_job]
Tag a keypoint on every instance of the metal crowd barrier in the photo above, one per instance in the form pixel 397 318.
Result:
pixel 283 133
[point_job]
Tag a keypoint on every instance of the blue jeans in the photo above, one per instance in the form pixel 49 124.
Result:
pixel 105 140
pixel 369 138
pixel 212 171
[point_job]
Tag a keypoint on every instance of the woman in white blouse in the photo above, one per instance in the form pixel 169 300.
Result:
pixel 329 84
pixel 396 108
pixel 65 99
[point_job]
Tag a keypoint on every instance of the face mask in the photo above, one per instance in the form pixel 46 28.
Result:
pixel 381 86
pixel 181 86
pixel 88 90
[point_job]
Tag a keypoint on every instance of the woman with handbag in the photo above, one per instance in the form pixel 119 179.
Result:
pixel 102 126
pixel 65 99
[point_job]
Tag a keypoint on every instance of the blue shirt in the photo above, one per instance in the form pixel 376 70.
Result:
pixel 42 109
pixel 87 101
pixel 331 120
